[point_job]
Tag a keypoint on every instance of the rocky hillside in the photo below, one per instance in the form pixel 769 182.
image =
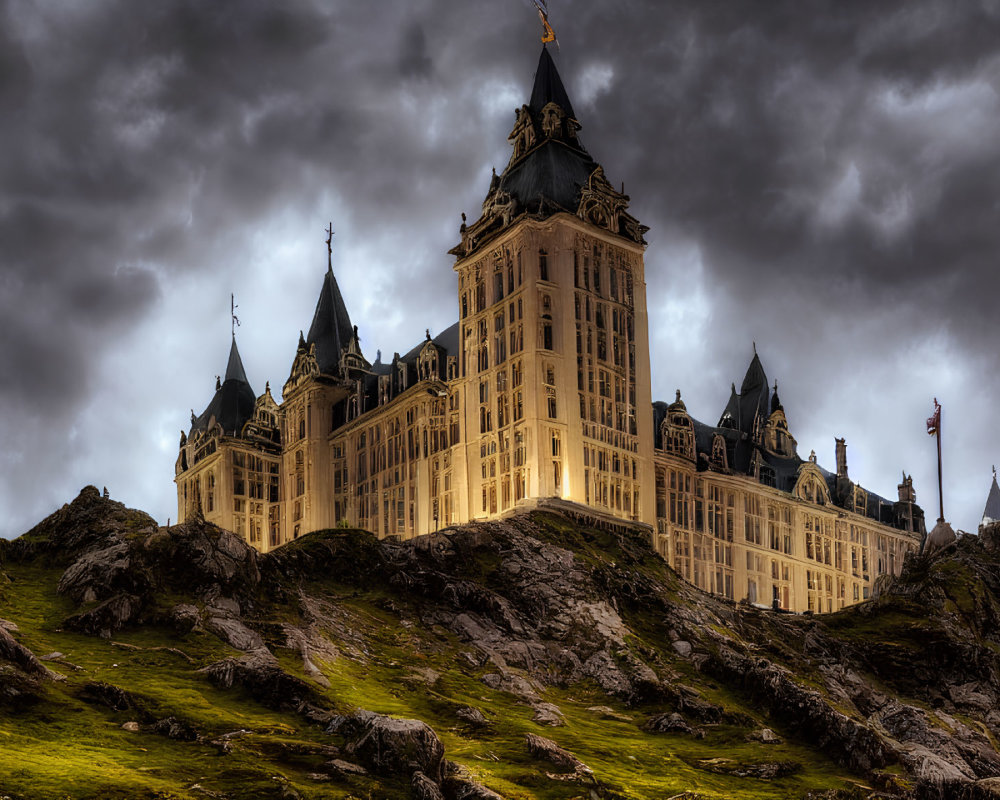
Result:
pixel 531 658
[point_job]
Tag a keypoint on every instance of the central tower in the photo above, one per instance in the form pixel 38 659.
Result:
pixel 554 375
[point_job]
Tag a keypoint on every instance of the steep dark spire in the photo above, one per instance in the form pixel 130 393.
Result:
pixel 992 510
pixel 548 87
pixel 751 403
pixel 233 402
pixel 331 330
pixel 234 369
pixel 755 379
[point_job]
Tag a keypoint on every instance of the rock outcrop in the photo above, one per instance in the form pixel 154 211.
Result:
pixel 902 691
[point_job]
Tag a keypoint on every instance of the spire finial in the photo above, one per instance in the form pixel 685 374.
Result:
pixel 548 35
pixel 232 312
pixel 678 396
pixel 755 347
pixel 329 246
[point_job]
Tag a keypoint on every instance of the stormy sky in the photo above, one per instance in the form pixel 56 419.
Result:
pixel 820 178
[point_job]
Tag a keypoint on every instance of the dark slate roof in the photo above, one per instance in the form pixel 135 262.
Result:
pixel 551 173
pixel 233 402
pixel 447 339
pixel 548 86
pixel 331 328
pixel 992 509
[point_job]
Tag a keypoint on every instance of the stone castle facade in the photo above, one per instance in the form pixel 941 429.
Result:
pixel 540 391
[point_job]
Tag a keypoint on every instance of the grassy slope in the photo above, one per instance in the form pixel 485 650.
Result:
pixel 65 747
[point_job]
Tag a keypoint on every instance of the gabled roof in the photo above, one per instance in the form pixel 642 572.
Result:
pixel 992 510
pixel 233 402
pixel 331 328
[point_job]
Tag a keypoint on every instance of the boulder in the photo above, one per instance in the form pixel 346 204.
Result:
pixel 20 656
pixel 259 674
pixel 547 750
pixel 424 788
pixel 396 746
pixel 465 789
pixel 472 716
pixel 173 728
pixel 109 696
pixel 342 767
pixel 548 714
pixel 764 736
pixel 672 723
pixel 109 617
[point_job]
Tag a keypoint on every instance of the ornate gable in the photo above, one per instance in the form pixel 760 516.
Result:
pixel 810 485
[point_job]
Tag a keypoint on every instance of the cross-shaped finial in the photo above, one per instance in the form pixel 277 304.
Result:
pixel 329 245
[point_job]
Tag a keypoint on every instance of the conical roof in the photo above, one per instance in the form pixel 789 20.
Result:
pixel 548 86
pixel 754 378
pixel 234 368
pixel 331 328
pixel 233 402
pixel 992 511
pixel 754 395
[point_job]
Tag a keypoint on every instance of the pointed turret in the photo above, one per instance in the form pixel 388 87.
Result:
pixel 992 511
pixel 549 171
pixel 233 402
pixel 331 330
pixel 748 410
pixel 731 413
pixel 548 87
pixel 754 396
pixel 234 369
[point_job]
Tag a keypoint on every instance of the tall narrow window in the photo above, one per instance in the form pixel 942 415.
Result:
pixel 543 265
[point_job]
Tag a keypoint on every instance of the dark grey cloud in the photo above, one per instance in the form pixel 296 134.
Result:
pixel 818 177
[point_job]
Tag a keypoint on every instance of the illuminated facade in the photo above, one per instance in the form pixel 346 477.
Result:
pixel 540 390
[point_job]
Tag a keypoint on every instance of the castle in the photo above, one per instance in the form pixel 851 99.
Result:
pixel 540 393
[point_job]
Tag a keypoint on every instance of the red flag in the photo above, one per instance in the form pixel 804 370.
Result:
pixel 934 421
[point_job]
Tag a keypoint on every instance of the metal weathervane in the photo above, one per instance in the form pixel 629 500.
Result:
pixel 548 35
pixel 232 313
pixel 329 245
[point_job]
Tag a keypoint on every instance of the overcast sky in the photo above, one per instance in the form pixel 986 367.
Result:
pixel 822 178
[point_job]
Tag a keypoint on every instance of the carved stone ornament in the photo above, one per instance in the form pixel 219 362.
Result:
pixel 523 136
pixel 600 204
pixel 303 368
pixel 351 358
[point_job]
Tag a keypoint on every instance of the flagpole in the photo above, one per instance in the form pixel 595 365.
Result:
pixel 940 485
